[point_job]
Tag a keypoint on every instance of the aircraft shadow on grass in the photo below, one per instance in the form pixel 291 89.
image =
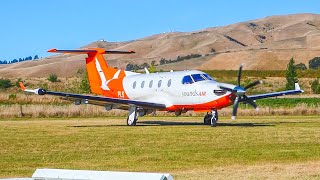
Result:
pixel 166 123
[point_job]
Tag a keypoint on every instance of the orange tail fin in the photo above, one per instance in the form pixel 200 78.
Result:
pixel 99 73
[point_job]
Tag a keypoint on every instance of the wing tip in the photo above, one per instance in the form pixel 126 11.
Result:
pixel 22 86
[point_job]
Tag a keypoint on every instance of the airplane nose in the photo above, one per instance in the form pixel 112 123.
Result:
pixel 240 91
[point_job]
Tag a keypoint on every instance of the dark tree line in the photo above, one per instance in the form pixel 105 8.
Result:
pixel 313 64
pixel 20 60
pixel 179 58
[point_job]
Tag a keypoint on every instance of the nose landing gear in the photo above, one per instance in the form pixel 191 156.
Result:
pixel 211 118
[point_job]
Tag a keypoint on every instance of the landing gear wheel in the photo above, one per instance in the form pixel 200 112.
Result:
pixel 214 118
pixel 133 116
pixel 207 119
pixel 130 122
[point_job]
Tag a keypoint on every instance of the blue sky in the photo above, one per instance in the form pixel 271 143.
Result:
pixel 32 27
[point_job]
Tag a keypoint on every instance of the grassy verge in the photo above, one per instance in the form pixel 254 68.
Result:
pixel 288 102
pixel 180 146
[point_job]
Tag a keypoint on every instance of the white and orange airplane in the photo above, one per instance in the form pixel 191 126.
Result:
pixel 142 94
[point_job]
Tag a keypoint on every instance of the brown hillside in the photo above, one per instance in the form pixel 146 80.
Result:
pixel 263 44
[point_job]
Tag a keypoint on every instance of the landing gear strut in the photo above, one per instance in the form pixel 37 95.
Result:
pixel 133 116
pixel 211 118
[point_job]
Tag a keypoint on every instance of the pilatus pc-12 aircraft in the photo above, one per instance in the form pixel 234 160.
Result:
pixel 142 94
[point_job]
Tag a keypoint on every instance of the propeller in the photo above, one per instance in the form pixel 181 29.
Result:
pixel 240 93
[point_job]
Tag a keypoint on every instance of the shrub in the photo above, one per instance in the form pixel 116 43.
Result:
pixel 315 86
pixel 53 78
pixel 301 66
pixel 5 83
pixel 12 96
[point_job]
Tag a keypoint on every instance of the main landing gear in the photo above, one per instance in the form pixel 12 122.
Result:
pixel 133 116
pixel 211 118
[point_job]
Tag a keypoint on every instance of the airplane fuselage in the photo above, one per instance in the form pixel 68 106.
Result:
pixel 169 88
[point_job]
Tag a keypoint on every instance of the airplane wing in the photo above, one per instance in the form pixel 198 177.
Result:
pixel 274 94
pixel 96 100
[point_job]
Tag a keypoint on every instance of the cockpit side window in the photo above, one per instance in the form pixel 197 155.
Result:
pixel 187 80
pixel 197 77
pixel 208 77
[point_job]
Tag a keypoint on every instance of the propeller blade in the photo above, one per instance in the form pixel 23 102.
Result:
pixel 235 108
pixel 239 74
pixel 253 84
pixel 251 102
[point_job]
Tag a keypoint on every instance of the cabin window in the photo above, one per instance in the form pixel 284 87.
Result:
pixel 150 84
pixel 142 84
pixel 187 80
pixel 159 83
pixel 134 85
pixel 169 83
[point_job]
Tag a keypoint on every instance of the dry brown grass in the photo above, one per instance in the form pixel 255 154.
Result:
pixel 279 171
pixel 43 110
pixel 29 99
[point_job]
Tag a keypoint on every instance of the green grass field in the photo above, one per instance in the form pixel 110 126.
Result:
pixel 250 148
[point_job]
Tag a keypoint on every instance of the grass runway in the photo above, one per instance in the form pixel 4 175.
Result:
pixel 269 147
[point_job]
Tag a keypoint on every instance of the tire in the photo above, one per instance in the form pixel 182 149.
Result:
pixel 207 119
pixel 133 123
pixel 214 119
pixel 213 122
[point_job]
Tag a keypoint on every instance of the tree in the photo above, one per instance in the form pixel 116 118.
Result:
pixel 129 67
pixel 291 75
pixel 28 58
pixel 162 61
pixel 53 78
pixel 152 68
pixel 85 85
pixel 314 63
pixel 36 57
pixel 15 61
pixel 301 66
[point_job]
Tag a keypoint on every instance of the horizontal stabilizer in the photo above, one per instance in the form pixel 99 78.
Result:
pixel 91 50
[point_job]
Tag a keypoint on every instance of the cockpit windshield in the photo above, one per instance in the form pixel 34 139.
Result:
pixel 197 77
pixel 208 77
pixel 189 79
